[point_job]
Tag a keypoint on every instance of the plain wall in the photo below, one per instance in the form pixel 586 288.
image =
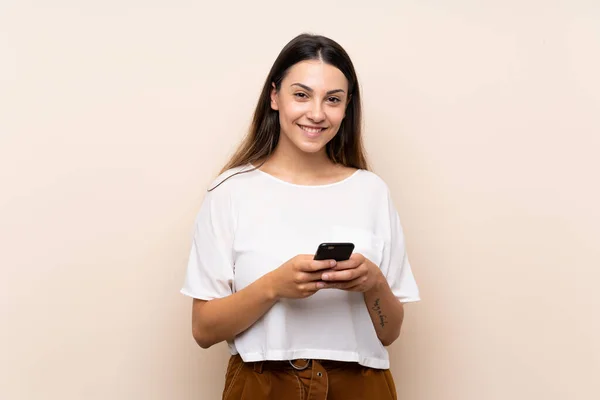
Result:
pixel 483 117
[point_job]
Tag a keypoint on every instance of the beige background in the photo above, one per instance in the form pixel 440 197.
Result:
pixel 483 117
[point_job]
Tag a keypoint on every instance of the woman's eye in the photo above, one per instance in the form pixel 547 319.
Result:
pixel 334 100
pixel 300 95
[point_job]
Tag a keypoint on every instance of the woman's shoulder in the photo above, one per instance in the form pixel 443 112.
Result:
pixel 363 176
pixel 372 180
pixel 231 178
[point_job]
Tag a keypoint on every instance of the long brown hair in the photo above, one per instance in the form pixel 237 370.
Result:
pixel 346 147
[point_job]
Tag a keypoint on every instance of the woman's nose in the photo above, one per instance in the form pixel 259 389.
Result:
pixel 316 113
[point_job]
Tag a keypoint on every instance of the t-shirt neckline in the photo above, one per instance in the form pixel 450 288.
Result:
pixel 341 181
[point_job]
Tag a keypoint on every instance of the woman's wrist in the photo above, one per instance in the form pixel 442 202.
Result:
pixel 380 283
pixel 267 286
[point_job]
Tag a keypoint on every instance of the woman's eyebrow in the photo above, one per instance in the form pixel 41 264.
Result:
pixel 308 89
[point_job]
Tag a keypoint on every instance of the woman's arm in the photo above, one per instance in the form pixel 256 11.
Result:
pixel 358 274
pixel 222 319
pixel 387 312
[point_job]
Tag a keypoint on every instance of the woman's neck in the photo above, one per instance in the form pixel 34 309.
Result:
pixel 293 165
pixel 299 162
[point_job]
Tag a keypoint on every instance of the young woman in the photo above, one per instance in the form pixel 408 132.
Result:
pixel 299 328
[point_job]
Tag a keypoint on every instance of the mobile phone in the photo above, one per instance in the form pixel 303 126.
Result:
pixel 334 251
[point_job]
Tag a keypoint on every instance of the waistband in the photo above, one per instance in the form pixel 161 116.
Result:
pixel 301 364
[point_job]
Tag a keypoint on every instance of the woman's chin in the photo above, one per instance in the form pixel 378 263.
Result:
pixel 311 147
pixel 307 145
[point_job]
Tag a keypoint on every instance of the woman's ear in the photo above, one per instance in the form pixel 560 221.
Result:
pixel 274 99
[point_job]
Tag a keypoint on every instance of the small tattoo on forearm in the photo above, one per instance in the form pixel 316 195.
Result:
pixel 377 308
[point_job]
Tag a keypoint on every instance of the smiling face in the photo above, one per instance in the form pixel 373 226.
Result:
pixel 311 101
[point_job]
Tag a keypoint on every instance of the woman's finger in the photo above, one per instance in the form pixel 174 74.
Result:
pixel 349 285
pixel 311 276
pixel 348 264
pixel 344 275
pixel 316 265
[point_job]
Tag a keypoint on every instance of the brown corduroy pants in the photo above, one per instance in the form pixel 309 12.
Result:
pixel 319 380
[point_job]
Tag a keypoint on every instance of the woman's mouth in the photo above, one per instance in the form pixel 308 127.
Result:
pixel 311 131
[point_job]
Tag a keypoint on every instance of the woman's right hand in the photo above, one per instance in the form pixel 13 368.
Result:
pixel 299 277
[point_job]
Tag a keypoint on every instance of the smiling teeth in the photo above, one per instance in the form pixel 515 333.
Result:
pixel 311 130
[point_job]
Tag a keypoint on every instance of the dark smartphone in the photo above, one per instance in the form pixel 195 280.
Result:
pixel 334 251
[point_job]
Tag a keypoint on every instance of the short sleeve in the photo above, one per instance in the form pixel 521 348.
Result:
pixel 395 264
pixel 209 273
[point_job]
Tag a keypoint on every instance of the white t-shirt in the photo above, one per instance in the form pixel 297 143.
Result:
pixel 255 222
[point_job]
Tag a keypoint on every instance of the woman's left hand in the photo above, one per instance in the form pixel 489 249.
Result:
pixel 358 274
